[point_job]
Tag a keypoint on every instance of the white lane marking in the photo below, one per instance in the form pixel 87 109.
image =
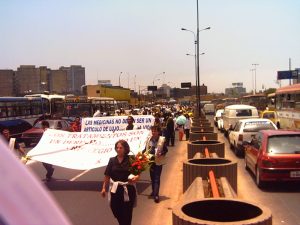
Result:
pixel 79 175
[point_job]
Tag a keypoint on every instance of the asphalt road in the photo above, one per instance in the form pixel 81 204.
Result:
pixel 77 192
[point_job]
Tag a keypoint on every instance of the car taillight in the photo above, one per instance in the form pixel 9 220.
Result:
pixel 240 137
pixel 268 161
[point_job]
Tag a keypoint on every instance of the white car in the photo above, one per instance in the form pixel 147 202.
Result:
pixel 218 116
pixel 245 130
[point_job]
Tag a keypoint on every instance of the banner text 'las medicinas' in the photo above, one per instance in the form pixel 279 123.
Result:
pixel 115 123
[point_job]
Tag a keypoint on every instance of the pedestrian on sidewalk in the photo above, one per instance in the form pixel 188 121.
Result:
pixel 155 169
pixel 122 192
pixel 170 131
pixel 187 127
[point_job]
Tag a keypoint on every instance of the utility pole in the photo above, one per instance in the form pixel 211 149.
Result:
pixel 198 72
pixel 255 64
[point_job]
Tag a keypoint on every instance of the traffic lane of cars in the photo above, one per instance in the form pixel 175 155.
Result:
pixel 282 198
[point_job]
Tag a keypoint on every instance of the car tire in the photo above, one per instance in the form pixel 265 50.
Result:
pixel 258 180
pixel 236 150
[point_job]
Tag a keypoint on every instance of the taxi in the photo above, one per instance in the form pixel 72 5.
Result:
pixel 245 130
pixel 271 115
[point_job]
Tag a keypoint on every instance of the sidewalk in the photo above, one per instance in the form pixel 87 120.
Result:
pixel 150 213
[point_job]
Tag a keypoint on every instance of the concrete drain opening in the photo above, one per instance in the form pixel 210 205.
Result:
pixel 209 161
pixel 198 135
pixel 220 212
pixel 200 167
pixel 215 146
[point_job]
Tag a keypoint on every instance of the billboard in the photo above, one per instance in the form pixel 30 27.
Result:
pixel 152 88
pixel 186 85
pixel 289 74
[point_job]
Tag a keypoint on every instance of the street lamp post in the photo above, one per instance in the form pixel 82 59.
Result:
pixel 120 79
pixel 252 78
pixel 255 64
pixel 196 42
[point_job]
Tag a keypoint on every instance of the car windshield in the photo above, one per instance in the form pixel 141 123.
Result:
pixel 51 123
pixel 243 112
pixel 288 144
pixel 256 126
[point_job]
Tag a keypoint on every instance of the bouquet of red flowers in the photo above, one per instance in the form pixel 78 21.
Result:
pixel 139 163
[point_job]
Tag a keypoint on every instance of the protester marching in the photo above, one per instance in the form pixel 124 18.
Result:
pixel 135 143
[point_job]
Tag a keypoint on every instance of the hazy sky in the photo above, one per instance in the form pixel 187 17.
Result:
pixel 144 38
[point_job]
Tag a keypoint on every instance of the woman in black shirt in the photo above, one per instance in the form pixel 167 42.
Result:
pixel 122 192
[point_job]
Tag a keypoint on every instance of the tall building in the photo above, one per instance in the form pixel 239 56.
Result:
pixel 27 80
pixel 75 78
pixel 237 89
pixel 58 81
pixel 7 84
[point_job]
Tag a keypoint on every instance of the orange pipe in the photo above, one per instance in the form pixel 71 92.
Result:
pixel 206 153
pixel 213 184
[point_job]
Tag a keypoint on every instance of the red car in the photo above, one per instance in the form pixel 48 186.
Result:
pixel 274 155
pixel 35 134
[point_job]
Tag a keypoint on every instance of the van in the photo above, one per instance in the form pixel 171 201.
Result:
pixel 234 113
pixel 209 109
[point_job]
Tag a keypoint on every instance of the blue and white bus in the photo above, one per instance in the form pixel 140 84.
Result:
pixel 19 113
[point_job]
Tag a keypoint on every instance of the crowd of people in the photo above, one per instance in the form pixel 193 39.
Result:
pixel 118 184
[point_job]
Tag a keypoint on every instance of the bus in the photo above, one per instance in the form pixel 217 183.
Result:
pixel 271 101
pixel 105 104
pixel 260 101
pixel 54 103
pixel 86 106
pixel 287 103
pixel 19 113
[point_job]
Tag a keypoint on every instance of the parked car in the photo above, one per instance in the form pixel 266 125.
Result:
pixel 234 113
pixel 35 134
pixel 16 127
pixel 245 130
pixel 274 155
pixel 218 115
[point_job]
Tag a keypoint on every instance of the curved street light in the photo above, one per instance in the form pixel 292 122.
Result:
pixel 197 73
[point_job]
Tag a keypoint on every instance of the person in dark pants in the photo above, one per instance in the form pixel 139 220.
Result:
pixel 49 167
pixel 155 170
pixel 170 131
pixel 122 191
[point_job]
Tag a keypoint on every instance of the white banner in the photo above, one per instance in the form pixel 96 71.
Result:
pixel 82 151
pixel 115 123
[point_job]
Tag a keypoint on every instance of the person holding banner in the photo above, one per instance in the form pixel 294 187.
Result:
pixel 76 125
pixel 6 134
pixel 156 145
pixel 122 192
pixel 49 167
pixel 130 121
